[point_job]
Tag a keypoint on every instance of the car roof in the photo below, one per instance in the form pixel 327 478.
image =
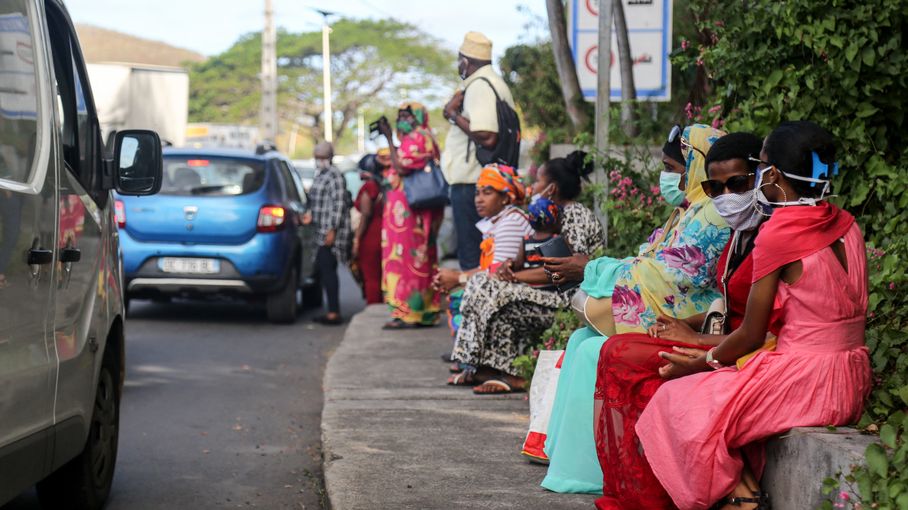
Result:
pixel 221 152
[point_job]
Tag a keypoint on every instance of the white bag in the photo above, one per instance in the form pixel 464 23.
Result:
pixel 542 398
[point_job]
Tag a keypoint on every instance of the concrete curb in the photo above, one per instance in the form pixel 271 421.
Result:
pixel 395 436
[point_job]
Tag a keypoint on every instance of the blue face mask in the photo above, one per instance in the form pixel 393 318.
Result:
pixel 669 187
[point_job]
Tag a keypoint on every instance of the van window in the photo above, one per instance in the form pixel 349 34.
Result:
pixel 18 92
pixel 211 176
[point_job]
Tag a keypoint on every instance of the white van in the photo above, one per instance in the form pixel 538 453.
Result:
pixel 61 305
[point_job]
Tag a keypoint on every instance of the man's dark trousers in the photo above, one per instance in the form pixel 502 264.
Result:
pixel 463 204
pixel 326 264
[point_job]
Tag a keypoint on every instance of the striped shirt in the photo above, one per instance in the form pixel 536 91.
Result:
pixel 509 228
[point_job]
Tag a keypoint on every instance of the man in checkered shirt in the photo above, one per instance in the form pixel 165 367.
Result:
pixel 331 213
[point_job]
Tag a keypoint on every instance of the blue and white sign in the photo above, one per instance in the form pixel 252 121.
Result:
pixel 649 25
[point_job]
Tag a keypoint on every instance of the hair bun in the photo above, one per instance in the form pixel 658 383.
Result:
pixel 578 163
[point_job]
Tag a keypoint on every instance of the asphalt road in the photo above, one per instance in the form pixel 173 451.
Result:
pixel 221 409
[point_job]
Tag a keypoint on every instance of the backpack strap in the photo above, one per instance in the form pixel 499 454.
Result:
pixel 497 100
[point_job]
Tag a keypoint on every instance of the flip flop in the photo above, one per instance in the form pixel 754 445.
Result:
pixel 500 386
pixel 455 368
pixel 396 324
pixel 462 379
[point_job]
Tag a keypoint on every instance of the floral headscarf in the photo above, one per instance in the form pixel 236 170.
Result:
pixel 419 111
pixel 502 178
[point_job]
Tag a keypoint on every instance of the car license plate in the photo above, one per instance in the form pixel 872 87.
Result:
pixel 189 265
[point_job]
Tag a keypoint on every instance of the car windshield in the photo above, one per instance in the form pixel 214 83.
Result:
pixel 211 176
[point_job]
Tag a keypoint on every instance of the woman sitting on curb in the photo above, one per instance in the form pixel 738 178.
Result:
pixel 505 310
pixel 674 274
pixel 810 268
pixel 628 373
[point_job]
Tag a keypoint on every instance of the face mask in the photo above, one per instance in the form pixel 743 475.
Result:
pixel 404 126
pixel 669 183
pixel 462 68
pixel 762 199
pixel 739 210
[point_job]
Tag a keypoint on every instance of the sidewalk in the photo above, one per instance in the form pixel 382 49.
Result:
pixel 395 436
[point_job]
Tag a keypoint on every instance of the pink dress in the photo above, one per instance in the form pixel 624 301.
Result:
pixel 694 428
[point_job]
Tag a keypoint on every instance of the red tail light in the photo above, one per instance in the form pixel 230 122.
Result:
pixel 120 213
pixel 271 218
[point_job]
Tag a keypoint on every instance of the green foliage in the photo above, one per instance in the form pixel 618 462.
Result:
pixel 553 339
pixel 841 64
pixel 375 64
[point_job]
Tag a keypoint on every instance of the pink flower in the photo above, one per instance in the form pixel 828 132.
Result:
pixel 627 305
pixel 685 44
pixel 717 123
pixel 714 109
pixel 844 496
pixel 687 258
pixel 720 23
pixel 535 353
pixel 891 285
pixel 699 62
pixel 688 109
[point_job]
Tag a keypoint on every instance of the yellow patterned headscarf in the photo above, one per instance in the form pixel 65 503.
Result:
pixel 700 137
pixel 419 111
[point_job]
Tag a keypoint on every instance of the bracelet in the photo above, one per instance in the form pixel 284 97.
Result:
pixel 462 278
pixel 712 362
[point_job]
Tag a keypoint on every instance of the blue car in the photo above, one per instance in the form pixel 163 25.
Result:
pixel 226 222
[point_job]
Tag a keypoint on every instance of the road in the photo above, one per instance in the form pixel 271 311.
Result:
pixel 221 409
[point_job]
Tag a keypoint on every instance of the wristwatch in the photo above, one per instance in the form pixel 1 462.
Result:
pixel 453 118
pixel 712 362
pixel 462 278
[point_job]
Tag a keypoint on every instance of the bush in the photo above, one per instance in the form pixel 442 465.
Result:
pixel 841 64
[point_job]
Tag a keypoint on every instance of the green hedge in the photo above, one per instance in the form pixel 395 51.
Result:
pixel 843 65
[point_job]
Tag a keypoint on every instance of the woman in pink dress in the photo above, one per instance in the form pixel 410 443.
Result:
pixel 409 253
pixel 702 432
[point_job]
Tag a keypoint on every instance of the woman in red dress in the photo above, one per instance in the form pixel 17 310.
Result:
pixel 367 239
pixel 628 373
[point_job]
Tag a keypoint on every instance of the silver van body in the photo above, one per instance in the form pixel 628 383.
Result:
pixel 61 308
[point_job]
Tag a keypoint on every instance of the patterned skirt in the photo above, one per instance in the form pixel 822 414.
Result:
pixel 501 319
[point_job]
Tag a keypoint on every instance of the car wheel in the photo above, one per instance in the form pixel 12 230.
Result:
pixel 282 306
pixel 84 482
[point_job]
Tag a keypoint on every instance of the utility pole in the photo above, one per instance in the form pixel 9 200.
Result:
pixel 603 94
pixel 268 119
pixel 326 76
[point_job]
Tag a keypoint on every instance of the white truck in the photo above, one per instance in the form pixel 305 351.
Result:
pixel 139 96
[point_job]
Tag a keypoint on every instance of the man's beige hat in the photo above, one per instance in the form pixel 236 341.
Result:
pixel 476 45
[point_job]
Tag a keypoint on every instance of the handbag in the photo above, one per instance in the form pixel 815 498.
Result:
pixel 426 188
pixel 716 322
pixel 596 313
pixel 556 247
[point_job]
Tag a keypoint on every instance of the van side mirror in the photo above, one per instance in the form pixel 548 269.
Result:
pixel 138 162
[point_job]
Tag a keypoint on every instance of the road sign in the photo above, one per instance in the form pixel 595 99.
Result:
pixel 649 26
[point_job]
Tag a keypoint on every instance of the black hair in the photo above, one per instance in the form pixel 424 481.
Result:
pixel 790 148
pixel 567 172
pixel 673 150
pixel 735 146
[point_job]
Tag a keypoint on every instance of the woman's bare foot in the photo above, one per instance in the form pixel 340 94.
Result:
pixel 501 384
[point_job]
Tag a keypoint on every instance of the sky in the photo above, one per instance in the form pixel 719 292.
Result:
pixel 211 26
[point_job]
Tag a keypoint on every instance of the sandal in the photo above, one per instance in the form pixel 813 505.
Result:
pixel 464 378
pixel 396 324
pixel 497 386
pixel 455 368
pixel 760 498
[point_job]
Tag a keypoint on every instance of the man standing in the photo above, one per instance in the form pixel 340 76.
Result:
pixel 331 214
pixel 473 113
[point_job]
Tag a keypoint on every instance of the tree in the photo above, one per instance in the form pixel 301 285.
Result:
pixel 375 64
pixel 564 63
pixel 626 63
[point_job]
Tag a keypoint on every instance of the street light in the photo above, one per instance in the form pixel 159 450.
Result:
pixel 326 75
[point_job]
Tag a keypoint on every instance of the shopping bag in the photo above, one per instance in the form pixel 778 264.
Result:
pixel 542 398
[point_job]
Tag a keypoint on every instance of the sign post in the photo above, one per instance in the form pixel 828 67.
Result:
pixel 603 85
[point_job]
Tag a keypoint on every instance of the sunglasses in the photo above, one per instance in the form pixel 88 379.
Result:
pixel 736 184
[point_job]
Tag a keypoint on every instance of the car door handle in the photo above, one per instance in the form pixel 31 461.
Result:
pixel 39 257
pixel 70 255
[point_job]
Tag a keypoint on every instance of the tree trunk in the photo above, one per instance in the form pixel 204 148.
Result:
pixel 626 63
pixel 564 62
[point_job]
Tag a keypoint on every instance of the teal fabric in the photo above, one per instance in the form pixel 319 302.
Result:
pixel 570 446
pixel 599 276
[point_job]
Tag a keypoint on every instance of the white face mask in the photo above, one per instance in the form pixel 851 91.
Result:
pixel 739 210
pixel 761 198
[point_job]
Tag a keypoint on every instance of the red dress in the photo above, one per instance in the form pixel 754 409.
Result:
pixel 627 378
pixel 369 257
